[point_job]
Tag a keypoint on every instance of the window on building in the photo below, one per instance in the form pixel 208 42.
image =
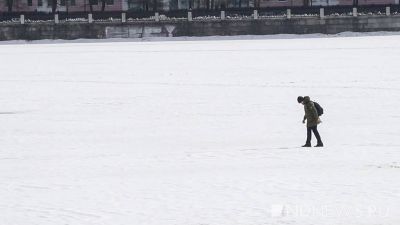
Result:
pixel 29 2
pixel 110 2
pixel 62 2
pixel 136 5
pixel 73 2
pixel 94 2
pixel 131 3
pixel 40 3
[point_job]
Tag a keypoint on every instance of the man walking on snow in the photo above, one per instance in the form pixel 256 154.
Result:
pixel 311 115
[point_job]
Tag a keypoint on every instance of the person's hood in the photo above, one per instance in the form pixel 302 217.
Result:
pixel 306 99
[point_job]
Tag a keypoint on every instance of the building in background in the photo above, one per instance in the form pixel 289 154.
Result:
pixel 60 5
pixel 352 2
pixel 164 5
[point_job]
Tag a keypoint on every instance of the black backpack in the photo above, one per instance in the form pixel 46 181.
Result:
pixel 319 109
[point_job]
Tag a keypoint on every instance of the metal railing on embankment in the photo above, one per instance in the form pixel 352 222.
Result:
pixel 199 14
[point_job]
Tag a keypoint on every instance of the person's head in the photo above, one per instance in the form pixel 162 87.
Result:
pixel 300 99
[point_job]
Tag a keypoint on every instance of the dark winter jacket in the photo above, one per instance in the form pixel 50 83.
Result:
pixel 311 113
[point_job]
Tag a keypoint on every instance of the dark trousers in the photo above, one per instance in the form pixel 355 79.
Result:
pixel 316 133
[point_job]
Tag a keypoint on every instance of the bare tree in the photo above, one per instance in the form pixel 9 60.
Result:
pixel 53 5
pixel 91 3
pixel 307 2
pixel 67 5
pixel 10 4
pixel 146 5
pixel 103 5
pixel 257 3
pixel 155 8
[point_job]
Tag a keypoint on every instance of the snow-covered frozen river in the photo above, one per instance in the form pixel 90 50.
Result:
pixel 200 132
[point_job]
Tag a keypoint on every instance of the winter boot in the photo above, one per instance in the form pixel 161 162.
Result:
pixel 307 145
pixel 320 144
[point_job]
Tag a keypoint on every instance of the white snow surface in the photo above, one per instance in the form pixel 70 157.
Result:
pixel 200 132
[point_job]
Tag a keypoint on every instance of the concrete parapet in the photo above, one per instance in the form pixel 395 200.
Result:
pixel 137 29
